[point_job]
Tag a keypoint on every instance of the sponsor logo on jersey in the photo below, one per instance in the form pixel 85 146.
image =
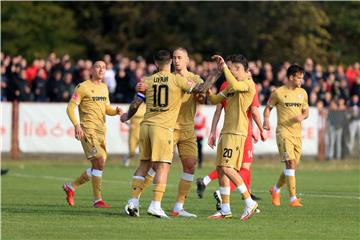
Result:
pixel 289 104
pixel 99 99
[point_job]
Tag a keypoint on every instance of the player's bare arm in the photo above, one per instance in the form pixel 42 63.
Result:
pixel 134 106
pixel 266 124
pixel 215 120
pixel 256 117
pixel 211 79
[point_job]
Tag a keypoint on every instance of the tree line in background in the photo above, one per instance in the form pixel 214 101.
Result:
pixel 329 32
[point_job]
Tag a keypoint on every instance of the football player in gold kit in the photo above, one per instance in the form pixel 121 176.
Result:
pixel 184 134
pixel 239 94
pixel 92 99
pixel 168 98
pixel 291 102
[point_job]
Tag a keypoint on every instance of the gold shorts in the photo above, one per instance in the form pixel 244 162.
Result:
pixel 134 134
pixel 93 144
pixel 289 148
pixel 156 143
pixel 186 143
pixel 230 151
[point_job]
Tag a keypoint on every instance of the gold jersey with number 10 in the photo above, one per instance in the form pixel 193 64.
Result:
pixel 163 98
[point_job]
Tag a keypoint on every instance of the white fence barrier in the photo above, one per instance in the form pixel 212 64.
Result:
pixel 5 126
pixel 45 128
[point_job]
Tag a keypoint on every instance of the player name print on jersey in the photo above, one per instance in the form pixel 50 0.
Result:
pixel 161 79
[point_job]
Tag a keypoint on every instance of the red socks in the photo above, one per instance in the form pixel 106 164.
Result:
pixel 213 175
pixel 246 176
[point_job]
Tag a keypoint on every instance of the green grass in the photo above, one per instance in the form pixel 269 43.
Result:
pixel 33 205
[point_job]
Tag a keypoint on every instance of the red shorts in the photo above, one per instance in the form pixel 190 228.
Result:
pixel 248 150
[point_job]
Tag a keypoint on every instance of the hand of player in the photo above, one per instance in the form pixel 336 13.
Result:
pixel 119 111
pixel 212 140
pixel 299 118
pixel 200 98
pixel 266 124
pixel 255 137
pixel 140 87
pixel 263 136
pixel 208 92
pixel 79 134
pixel 219 61
pixel 248 73
pixel 124 117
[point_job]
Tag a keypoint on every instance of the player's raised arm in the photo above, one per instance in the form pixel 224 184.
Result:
pixel 233 82
pixel 204 87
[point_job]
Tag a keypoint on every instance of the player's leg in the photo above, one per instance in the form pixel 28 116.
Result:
pixel 162 140
pixel 98 165
pixel 276 188
pixel 184 187
pixel 233 147
pixel 245 173
pixel 188 154
pixel 291 167
pixel 160 180
pixel 201 183
pixel 70 187
pixel 138 179
pixel 247 159
pixel 223 206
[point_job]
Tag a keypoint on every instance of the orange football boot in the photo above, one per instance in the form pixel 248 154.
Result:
pixel 275 197
pixel 296 203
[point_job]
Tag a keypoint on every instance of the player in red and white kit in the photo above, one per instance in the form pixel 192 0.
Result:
pixel 245 171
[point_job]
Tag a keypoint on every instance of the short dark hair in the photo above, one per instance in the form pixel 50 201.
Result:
pixel 238 58
pixel 181 49
pixel 162 56
pixel 293 70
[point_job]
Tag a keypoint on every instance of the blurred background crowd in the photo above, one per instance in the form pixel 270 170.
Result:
pixel 333 89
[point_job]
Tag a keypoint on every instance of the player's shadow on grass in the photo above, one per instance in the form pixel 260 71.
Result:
pixel 45 209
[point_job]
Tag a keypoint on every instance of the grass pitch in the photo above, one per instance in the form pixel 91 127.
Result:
pixel 33 204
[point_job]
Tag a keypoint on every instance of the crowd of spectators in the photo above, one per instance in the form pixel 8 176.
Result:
pixel 335 88
pixel 53 79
